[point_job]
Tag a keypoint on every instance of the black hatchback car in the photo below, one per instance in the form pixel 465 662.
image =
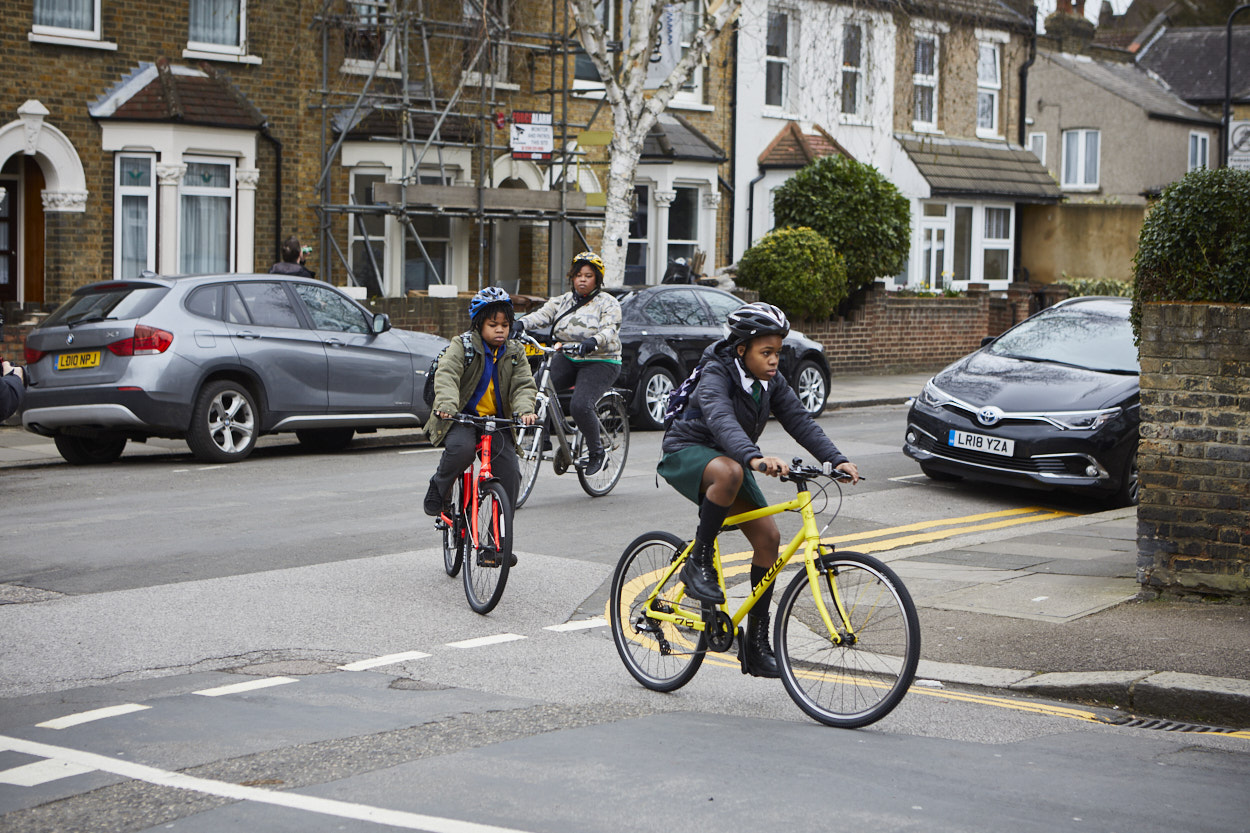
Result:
pixel 664 330
pixel 1054 403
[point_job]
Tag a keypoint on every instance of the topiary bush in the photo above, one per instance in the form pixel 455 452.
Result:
pixel 796 269
pixel 856 209
pixel 1195 242
pixel 1097 286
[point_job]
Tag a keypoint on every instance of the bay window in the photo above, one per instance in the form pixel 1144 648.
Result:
pixel 206 223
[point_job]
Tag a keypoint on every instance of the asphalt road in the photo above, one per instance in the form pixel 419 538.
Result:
pixel 166 584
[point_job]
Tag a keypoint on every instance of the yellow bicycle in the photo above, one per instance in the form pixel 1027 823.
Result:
pixel 846 632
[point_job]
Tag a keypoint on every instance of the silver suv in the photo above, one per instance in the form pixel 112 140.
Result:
pixel 219 360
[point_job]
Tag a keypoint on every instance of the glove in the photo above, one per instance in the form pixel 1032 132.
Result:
pixel 588 346
pixel 518 329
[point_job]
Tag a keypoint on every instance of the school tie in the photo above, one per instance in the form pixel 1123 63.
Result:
pixel 756 390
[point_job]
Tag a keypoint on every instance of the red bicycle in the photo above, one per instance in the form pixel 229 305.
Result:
pixel 477 533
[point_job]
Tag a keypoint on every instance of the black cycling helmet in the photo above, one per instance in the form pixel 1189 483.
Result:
pixel 491 297
pixel 757 319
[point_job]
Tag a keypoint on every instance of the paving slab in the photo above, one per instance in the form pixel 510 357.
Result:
pixel 1048 598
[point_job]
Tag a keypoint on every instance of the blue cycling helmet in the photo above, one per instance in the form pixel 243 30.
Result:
pixel 488 297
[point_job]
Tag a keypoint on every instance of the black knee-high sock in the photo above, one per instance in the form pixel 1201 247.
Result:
pixel 757 574
pixel 711 516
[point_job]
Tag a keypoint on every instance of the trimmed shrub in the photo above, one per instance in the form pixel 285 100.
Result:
pixel 1195 243
pixel 1097 286
pixel 796 269
pixel 856 209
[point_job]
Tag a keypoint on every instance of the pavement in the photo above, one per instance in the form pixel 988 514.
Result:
pixel 1043 603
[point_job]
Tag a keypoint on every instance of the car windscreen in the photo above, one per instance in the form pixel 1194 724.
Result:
pixel 116 301
pixel 1081 338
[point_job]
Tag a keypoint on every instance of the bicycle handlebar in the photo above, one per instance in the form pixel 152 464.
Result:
pixel 799 471
pixel 526 338
pixel 487 423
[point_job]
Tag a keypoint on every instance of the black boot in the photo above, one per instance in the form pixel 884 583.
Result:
pixel 699 575
pixel 434 501
pixel 594 461
pixel 754 652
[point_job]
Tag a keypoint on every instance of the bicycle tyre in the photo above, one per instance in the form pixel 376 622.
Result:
pixel 453 535
pixel 529 455
pixel 614 435
pixel 661 656
pixel 848 686
pixel 486 564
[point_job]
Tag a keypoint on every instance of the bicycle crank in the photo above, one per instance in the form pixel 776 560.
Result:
pixel 562 459
pixel 719 629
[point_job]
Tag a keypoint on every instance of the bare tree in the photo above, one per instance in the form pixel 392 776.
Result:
pixel 633 112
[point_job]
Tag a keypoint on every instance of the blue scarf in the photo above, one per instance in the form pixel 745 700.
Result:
pixel 489 372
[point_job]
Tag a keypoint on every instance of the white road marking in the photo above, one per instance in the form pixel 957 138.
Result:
pixel 95 714
pixel 486 640
pixel 41 772
pixel 250 685
pixel 419 451
pixel 904 478
pixel 238 792
pixel 1039 599
pixel 388 659
pixel 579 625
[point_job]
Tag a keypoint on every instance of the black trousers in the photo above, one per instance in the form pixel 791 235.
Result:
pixel 589 381
pixel 459 449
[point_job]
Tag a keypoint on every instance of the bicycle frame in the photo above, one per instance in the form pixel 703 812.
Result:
pixel 551 413
pixel 808 537
pixel 469 492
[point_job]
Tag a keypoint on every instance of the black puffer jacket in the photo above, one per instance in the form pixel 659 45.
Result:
pixel 723 416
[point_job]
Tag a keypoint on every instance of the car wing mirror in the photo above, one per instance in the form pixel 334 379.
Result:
pixel 988 340
pixel 381 323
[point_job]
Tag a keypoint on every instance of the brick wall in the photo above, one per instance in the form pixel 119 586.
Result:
pixel 1193 523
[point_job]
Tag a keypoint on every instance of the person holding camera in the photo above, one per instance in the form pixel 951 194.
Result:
pixel 12 389
pixel 587 323
pixel 293 257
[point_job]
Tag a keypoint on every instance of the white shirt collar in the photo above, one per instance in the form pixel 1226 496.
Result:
pixel 746 378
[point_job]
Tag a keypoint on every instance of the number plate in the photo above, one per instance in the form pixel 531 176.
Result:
pixel 78 361
pixel 531 350
pixel 981 442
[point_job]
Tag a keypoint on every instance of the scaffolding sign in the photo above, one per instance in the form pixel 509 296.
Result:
pixel 532 136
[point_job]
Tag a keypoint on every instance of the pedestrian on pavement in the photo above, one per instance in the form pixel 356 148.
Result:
pixel 12 389
pixel 293 257
pixel 586 321
pixel 484 373
pixel 710 452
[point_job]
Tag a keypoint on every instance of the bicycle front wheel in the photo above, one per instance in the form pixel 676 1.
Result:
pixel 529 454
pixel 660 655
pixel 488 549
pixel 861 679
pixel 453 533
pixel 614 435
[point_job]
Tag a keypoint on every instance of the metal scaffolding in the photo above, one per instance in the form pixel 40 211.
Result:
pixel 428 73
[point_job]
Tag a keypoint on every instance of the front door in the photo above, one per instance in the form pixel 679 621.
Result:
pixel 9 277
pixel 933 256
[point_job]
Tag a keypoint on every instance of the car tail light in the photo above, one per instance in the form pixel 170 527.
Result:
pixel 147 341
pixel 33 355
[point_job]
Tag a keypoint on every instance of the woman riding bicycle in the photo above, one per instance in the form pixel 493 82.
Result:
pixel 710 453
pixel 587 321
pixel 494 380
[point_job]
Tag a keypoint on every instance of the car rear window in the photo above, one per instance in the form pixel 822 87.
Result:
pixel 1082 338
pixel 118 301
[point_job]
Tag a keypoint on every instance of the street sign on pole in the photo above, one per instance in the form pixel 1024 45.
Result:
pixel 1239 145
pixel 532 136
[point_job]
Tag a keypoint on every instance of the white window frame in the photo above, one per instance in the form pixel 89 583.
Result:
pixel 930 224
pixel 122 190
pixel 787 61
pixel 353 232
pixel 607 17
pixel 930 31
pixel 187 189
pixel 205 50
pixel 425 176
pixel 1081 162
pixel 92 38
pixel 363 66
pixel 858 115
pixel 1037 144
pixel 647 241
pixel 499 78
pixel 690 95
pixel 990 88
pixel 1199 150
pixel 695 242
pixel 994 244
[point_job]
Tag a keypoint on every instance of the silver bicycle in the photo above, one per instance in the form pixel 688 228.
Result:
pixel 554 437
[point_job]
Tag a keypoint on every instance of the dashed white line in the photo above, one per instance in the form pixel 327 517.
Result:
pixel 388 659
pixel 486 640
pixel 250 685
pixel 238 792
pixel 41 772
pixel 578 625
pixel 95 714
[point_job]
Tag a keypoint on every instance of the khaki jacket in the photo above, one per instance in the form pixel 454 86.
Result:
pixel 454 383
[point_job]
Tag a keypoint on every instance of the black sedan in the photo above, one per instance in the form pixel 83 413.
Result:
pixel 664 330
pixel 1054 403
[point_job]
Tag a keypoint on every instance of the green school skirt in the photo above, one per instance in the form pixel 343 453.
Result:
pixel 684 472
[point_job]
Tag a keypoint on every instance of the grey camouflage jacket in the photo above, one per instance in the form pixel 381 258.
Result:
pixel 599 318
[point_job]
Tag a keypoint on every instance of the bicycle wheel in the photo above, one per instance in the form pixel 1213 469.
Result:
pixel 614 434
pixel 486 562
pixel 660 655
pixel 861 680
pixel 453 533
pixel 529 453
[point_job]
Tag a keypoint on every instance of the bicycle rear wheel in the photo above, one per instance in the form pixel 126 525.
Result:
pixel 660 655
pixel 529 454
pixel 614 435
pixel 487 560
pixel 861 680
pixel 453 533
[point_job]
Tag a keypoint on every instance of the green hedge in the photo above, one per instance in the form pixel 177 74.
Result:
pixel 796 269
pixel 1097 286
pixel 1195 243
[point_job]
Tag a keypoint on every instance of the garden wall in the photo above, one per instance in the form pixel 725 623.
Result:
pixel 1193 523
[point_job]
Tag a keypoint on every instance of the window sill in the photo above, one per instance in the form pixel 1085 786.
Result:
pixel 1080 189
pixel 692 106
pixel 84 43
pixel 777 113
pixel 203 55
pixel 473 79
pixel 853 121
pixel 991 136
pixel 924 127
pixel 351 67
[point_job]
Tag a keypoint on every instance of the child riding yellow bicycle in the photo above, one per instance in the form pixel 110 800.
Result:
pixel 711 451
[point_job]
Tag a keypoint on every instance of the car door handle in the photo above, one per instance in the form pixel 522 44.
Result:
pixel 248 334
pixel 335 342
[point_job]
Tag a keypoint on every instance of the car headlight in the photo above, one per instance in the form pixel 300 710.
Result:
pixel 931 396
pixel 1083 420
